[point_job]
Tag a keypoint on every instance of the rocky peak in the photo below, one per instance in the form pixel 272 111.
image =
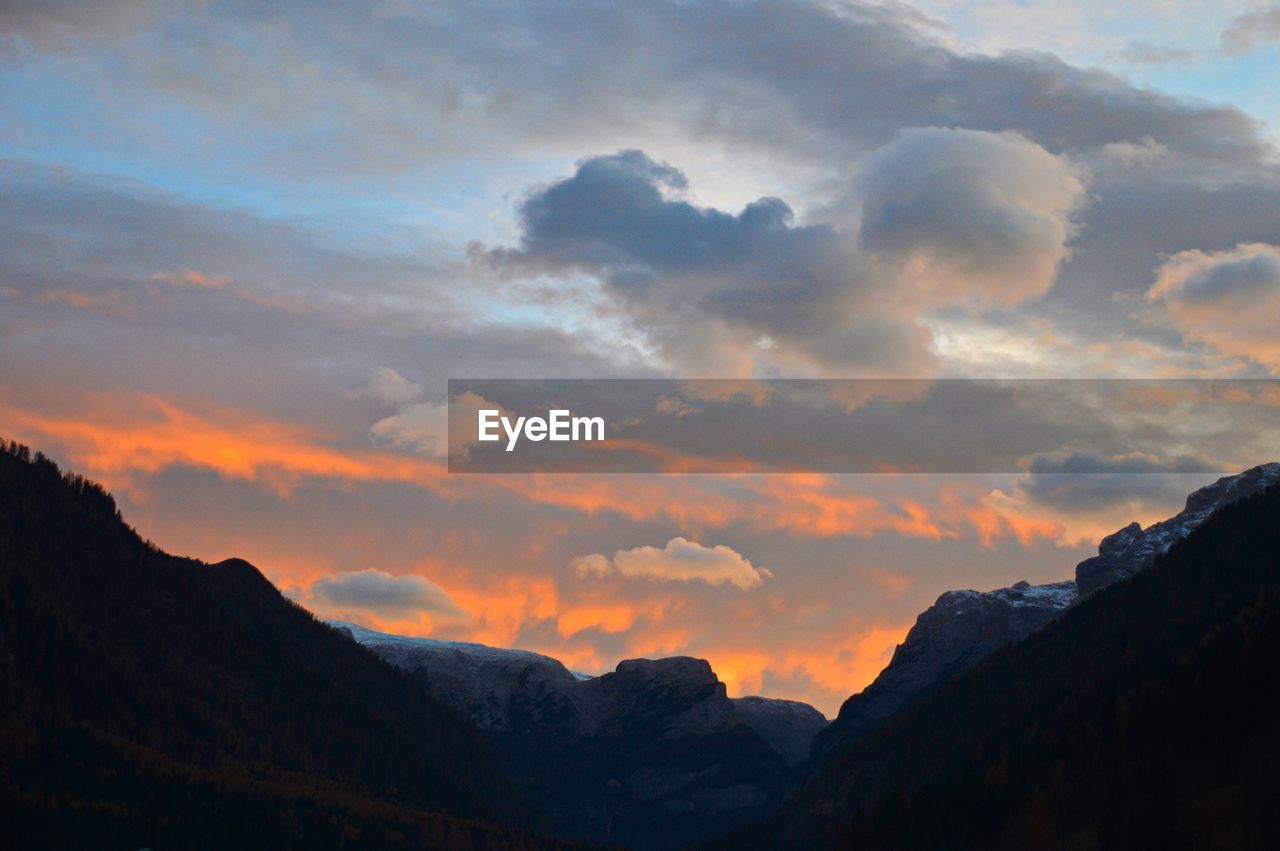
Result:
pixel 1132 549
pixel 1231 488
pixel 677 674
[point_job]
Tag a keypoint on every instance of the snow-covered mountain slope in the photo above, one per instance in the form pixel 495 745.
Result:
pixel 480 682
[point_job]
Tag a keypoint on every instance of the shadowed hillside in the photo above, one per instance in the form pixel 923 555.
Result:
pixel 1147 717
pixel 149 700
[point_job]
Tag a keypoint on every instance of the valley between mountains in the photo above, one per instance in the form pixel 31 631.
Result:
pixel 155 701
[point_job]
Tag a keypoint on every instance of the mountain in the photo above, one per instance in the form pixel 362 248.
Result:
pixel 651 755
pixel 964 627
pixel 150 700
pixel 1132 549
pixel 1146 716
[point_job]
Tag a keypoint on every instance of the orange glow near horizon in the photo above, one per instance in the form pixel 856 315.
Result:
pixel 127 440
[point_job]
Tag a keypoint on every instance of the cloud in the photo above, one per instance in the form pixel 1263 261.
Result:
pixel 622 217
pixel 594 565
pixel 681 560
pixel 936 218
pixel 386 595
pixel 421 427
pixel 971 216
pixel 1252 30
pixel 120 438
pixel 1146 53
pixel 1144 153
pixel 788 74
pixel 1086 481
pixel 190 277
pixel 826 87
pixel 1229 300
pixel 431 429
pixel 62 25
pixel 391 388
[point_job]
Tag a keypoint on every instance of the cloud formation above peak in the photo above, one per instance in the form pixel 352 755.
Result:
pixel 936 218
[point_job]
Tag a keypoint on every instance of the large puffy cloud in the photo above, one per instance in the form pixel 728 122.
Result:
pixel 971 215
pixel 1228 299
pixel 385 595
pixel 681 560
pixel 938 217
pixel 621 217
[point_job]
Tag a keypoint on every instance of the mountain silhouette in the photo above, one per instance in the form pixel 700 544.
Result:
pixel 149 700
pixel 1146 716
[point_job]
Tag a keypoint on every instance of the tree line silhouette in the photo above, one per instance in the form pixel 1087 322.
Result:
pixel 151 700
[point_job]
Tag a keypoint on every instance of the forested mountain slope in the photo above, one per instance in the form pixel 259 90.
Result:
pixel 150 700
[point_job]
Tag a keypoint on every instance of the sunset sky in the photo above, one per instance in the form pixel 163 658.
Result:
pixel 244 245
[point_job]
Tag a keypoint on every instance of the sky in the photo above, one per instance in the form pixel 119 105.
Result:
pixel 243 246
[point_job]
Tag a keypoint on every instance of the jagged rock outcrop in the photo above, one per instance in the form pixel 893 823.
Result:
pixel 963 627
pixel 1132 549
pixel 608 758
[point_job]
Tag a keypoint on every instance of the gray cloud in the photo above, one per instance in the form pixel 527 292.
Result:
pixel 1252 30
pixel 616 217
pixel 988 214
pixel 828 80
pixel 387 595
pixel 92 265
pixel 1086 481
pixel 937 217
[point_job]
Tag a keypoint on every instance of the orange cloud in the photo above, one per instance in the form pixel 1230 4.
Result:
pixel 995 517
pixel 501 605
pixel 617 617
pixel 114 437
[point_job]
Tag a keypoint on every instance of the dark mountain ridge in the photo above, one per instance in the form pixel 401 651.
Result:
pixel 147 699
pixel 651 755
pixel 1147 716
pixel 964 627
